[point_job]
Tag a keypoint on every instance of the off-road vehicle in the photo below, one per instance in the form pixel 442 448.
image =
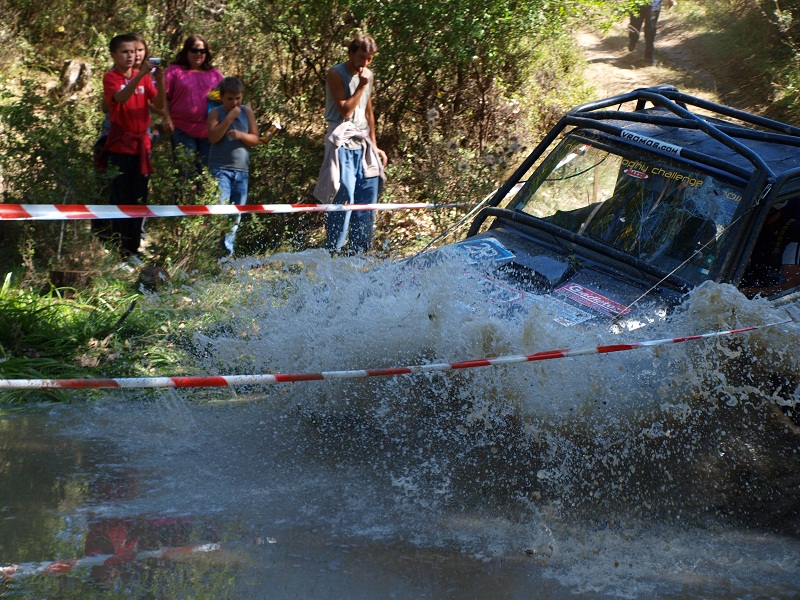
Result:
pixel 631 201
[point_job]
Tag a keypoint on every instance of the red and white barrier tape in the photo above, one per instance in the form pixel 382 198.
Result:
pixel 59 567
pixel 267 379
pixel 61 212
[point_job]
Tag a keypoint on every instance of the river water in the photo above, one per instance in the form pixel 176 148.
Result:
pixel 669 472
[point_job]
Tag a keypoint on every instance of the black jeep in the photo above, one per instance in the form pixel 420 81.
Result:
pixel 642 197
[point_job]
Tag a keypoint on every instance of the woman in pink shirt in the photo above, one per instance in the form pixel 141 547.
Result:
pixel 189 79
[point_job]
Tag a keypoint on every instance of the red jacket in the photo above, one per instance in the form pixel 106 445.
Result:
pixel 129 121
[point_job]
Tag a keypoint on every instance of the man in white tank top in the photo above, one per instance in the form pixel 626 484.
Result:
pixel 352 171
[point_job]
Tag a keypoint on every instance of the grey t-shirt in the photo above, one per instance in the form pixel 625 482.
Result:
pixel 229 154
pixel 359 116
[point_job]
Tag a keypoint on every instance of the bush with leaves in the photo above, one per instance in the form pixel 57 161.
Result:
pixel 493 74
pixel 46 158
pixel 45 149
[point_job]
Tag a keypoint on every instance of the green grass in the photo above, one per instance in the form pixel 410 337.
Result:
pixel 107 330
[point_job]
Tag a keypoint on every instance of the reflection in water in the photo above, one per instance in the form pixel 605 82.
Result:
pixel 668 473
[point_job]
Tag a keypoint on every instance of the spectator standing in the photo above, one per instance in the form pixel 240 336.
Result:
pixel 102 227
pixel 232 131
pixel 189 80
pixel 352 170
pixel 647 15
pixel 128 92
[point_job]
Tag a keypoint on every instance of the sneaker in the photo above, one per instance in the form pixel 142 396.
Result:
pixel 134 260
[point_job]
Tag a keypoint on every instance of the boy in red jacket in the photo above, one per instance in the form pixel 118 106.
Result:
pixel 127 92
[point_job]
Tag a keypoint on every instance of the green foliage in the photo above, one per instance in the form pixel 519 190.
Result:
pixel 778 23
pixel 755 48
pixel 285 173
pixel 782 18
pixel 46 158
pixel 451 56
pixel 37 332
pixel 182 244
pixel 44 150
pixel 104 331
pixel 460 58
pixel 47 30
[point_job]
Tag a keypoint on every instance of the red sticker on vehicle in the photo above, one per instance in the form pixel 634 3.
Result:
pixel 635 173
pixel 593 300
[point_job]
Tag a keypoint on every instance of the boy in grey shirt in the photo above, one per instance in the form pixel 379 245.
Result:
pixel 232 131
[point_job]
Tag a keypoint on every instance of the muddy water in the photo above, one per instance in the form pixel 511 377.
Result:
pixel 666 473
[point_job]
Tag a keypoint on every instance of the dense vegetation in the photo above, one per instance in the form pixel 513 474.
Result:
pixel 463 88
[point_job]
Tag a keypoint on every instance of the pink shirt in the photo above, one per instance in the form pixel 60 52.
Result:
pixel 187 94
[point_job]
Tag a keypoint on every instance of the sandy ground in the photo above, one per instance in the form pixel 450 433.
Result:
pixel 683 58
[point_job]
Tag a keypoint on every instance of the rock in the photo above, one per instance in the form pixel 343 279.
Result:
pixel 151 278
pixel 75 76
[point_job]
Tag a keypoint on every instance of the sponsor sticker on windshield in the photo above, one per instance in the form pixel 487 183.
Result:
pixel 635 173
pixel 591 299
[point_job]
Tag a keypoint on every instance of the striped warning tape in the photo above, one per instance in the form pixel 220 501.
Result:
pixel 60 567
pixel 268 379
pixel 61 212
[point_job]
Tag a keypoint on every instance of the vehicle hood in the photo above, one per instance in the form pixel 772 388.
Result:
pixel 515 270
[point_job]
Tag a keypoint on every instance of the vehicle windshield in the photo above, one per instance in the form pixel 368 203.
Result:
pixel 658 210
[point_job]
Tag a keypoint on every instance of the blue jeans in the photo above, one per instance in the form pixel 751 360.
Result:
pixel 355 226
pixel 193 146
pixel 233 190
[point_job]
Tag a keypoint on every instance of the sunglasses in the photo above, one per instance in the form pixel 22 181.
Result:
pixel 198 50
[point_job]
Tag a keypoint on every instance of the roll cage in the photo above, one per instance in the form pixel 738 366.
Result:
pixel 760 154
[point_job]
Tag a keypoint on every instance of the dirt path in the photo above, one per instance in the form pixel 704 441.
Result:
pixel 683 59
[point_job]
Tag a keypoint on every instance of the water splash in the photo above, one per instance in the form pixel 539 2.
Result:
pixel 609 474
pixel 655 428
